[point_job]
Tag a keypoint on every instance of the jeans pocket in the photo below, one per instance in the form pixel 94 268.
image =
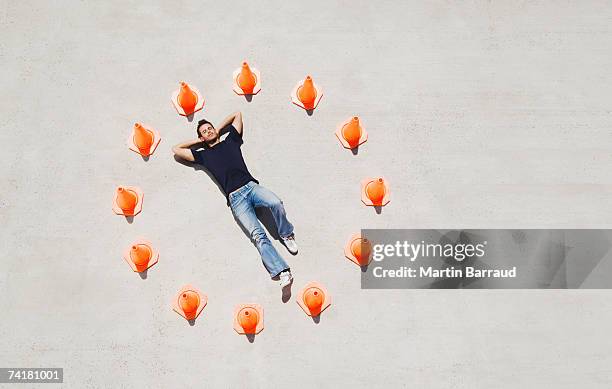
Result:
pixel 235 199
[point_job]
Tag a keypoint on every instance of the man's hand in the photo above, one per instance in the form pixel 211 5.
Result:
pixel 235 119
pixel 182 150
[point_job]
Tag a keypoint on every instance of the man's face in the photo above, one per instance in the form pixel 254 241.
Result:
pixel 208 133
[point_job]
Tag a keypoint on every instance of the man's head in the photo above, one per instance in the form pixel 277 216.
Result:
pixel 206 132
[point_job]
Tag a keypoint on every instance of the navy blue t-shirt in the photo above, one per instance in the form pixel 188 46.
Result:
pixel 224 161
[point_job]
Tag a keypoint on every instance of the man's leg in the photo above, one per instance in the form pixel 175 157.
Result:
pixel 263 197
pixel 244 210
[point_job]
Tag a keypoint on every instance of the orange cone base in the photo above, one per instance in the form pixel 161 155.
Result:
pixel 152 261
pixel 366 200
pixel 349 253
pixel 260 326
pixel 135 148
pixel 362 139
pixel 300 299
pixel 179 109
pixel 203 301
pixel 138 207
pixel 296 100
pixel 239 90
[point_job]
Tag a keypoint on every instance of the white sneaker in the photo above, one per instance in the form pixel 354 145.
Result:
pixel 290 244
pixel 285 278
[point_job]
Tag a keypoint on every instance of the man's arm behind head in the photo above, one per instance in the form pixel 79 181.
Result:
pixel 235 120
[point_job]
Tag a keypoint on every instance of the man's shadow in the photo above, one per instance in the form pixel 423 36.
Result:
pixel 197 167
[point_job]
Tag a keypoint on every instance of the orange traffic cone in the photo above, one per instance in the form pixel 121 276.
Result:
pixel 143 140
pixel 141 255
pixel 358 249
pixel 314 299
pixel 248 319
pixel 128 201
pixel 374 192
pixel 189 302
pixel 351 133
pixel 247 80
pixel 187 100
pixel 307 94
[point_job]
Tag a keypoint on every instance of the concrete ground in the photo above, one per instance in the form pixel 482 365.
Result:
pixel 480 115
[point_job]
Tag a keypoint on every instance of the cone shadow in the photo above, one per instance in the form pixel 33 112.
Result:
pixel 190 117
pixel 250 337
pixel 248 98
pixel 144 274
pixel 191 322
pixel 378 209
pixel 316 319
pixel 129 219
pixel 355 151
pixel 309 112
pixel 145 157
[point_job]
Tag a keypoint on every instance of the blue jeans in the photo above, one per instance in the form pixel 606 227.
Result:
pixel 243 202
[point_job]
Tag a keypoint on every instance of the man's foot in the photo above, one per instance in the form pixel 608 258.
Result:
pixel 290 244
pixel 285 278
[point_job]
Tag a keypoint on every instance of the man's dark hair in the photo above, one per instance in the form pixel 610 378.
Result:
pixel 200 124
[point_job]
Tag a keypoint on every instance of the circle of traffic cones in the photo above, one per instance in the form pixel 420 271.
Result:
pixel 128 200
pixel 248 319
pixel 143 140
pixel 358 249
pixel 351 133
pixel 141 255
pixel 246 80
pixel 189 302
pixel 375 192
pixel 307 94
pixel 187 99
pixel 313 299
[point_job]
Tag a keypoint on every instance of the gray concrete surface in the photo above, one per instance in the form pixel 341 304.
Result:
pixel 480 115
